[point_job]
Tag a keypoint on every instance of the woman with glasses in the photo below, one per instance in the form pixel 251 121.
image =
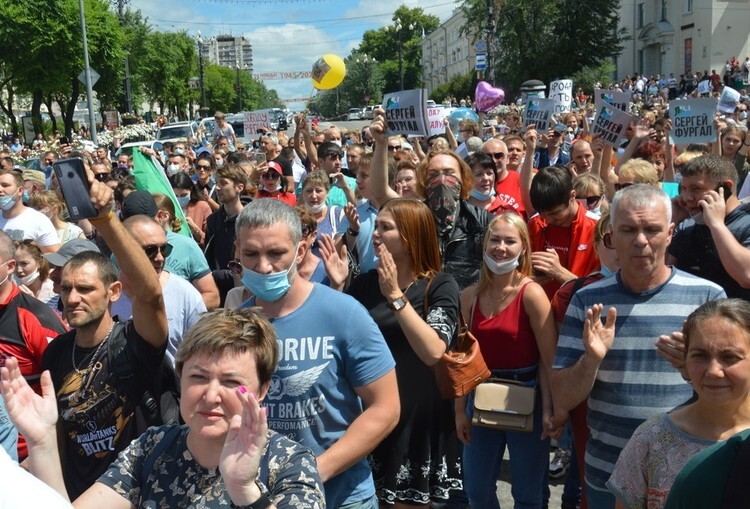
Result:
pixel 203 177
pixel 315 187
pixel 273 185
pixel 589 190
pixel 193 204
pixel 49 204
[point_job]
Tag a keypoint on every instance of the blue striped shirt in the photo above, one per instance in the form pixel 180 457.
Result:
pixel 633 382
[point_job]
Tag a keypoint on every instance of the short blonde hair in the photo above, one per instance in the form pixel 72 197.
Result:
pixel 641 171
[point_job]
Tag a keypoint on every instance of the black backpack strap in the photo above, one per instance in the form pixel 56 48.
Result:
pixel 148 463
pixel 736 494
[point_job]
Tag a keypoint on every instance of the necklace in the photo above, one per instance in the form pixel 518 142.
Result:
pixel 93 357
pixel 505 295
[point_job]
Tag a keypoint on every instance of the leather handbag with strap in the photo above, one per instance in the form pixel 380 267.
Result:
pixel 462 366
pixel 504 405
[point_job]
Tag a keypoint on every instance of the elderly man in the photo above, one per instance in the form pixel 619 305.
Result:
pixel 269 144
pixel 625 377
pixel 335 388
pixel 507 183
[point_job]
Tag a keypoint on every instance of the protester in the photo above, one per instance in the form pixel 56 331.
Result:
pixel 483 193
pixel 32 271
pixel 272 185
pixel 315 188
pixel 21 222
pixel 223 455
pixel 417 312
pixel 194 206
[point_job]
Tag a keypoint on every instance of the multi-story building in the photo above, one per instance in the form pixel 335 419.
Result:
pixel 446 53
pixel 682 35
pixel 229 51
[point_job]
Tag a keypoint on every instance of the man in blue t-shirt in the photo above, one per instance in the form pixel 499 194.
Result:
pixel 622 368
pixel 335 389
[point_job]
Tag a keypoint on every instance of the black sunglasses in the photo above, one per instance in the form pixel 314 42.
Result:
pixel 102 177
pixel 497 155
pixel 619 187
pixel 152 251
pixel 592 200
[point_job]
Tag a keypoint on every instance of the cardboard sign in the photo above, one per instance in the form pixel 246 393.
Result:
pixel 692 121
pixel 561 91
pixel 258 119
pixel 610 123
pixel 406 112
pixel 435 117
pixel 112 120
pixel 704 87
pixel 620 100
pixel 728 100
pixel 538 112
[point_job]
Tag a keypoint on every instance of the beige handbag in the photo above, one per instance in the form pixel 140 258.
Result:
pixel 504 405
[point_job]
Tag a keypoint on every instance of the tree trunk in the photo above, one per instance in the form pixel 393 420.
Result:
pixel 69 108
pixel 8 108
pixel 48 103
pixel 36 111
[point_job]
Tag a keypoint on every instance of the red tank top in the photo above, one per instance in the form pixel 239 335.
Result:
pixel 506 340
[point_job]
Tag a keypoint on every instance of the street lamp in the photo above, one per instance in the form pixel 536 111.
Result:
pixel 203 106
pixel 239 87
pixel 365 60
pixel 399 26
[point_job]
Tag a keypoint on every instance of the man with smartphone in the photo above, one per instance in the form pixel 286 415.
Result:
pixel 713 241
pixel 21 222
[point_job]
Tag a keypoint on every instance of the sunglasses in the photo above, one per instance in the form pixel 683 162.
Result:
pixel 102 177
pixel 619 187
pixel 203 167
pixel 270 175
pixel 391 148
pixel 152 251
pixel 497 155
pixel 592 200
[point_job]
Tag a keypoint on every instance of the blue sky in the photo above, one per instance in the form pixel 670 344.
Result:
pixel 287 35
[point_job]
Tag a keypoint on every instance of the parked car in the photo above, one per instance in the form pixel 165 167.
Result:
pixel 354 114
pixel 177 131
pixel 278 120
pixel 368 113
pixel 128 148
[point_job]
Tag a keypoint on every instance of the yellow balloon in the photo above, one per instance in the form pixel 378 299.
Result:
pixel 328 72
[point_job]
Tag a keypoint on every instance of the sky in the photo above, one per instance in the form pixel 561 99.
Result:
pixel 287 35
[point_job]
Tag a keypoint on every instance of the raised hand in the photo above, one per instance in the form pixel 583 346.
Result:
pixel 597 337
pixel 335 262
pixel 243 449
pixel 379 127
pixel 387 274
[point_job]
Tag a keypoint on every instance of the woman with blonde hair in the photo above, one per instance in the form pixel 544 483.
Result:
pixel 589 190
pixel 49 204
pixel 417 312
pixel 511 317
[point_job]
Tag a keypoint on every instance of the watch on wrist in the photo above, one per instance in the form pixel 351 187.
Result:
pixel 399 303
pixel 352 232
pixel 262 503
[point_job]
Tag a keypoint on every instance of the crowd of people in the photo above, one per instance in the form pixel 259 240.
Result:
pixel 276 346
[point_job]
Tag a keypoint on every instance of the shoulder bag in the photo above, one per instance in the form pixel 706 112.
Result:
pixel 462 366
pixel 504 405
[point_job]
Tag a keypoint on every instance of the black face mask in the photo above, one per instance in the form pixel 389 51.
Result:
pixel 444 197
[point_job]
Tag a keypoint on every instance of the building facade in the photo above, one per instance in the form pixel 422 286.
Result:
pixel 229 51
pixel 676 36
pixel 446 53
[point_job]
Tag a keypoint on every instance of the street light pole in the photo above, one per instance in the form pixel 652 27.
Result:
pixel 239 88
pixel 200 68
pixel 87 71
pixel 400 49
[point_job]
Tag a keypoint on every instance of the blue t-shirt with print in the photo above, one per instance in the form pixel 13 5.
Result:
pixel 327 347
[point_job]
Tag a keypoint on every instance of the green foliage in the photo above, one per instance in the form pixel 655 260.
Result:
pixel 221 91
pixel 587 76
pixel 538 39
pixel 383 45
pixel 459 87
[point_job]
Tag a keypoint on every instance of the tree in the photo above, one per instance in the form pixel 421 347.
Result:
pixel 383 45
pixel 168 64
pixel 587 76
pixel 460 86
pixel 538 39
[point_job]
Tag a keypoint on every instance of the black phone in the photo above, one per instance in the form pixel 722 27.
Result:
pixel 71 175
pixel 727 190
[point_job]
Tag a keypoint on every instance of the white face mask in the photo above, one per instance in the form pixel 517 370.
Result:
pixel 698 218
pixel 337 142
pixel 317 209
pixel 173 169
pixel 501 268
pixel 26 280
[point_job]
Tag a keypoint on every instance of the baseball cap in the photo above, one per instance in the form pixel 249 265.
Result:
pixel 473 144
pixel 138 202
pixel 37 177
pixel 69 250
pixel 274 166
pixel 560 128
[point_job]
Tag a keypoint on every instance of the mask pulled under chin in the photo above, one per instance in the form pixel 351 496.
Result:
pixel 501 268
pixel 443 198
pixel 26 280
pixel 317 209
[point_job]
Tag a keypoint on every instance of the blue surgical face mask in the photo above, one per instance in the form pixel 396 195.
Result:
pixel 25 197
pixel 605 271
pixel 183 200
pixel 268 287
pixel 479 195
pixel 6 202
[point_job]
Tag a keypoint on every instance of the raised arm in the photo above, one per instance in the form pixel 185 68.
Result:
pixel 449 133
pixel 527 169
pixel 381 192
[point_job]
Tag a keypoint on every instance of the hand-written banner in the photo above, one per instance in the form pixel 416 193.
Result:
pixel 435 118
pixel 258 119
pixel 692 121
pixel 728 100
pixel 406 112
pixel 561 91
pixel 620 100
pixel 538 112
pixel 610 124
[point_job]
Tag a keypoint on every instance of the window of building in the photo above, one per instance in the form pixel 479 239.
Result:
pixel 663 10
pixel 688 6
pixel 640 14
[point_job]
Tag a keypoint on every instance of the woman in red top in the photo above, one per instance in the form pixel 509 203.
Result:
pixel 273 186
pixel 512 319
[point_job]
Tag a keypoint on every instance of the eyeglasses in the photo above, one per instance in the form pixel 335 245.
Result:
pixel 202 167
pixel 270 175
pixel 393 147
pixel 619 187
pixel 152 251
pixel 591 201
pixel 497 155
pixel 102 177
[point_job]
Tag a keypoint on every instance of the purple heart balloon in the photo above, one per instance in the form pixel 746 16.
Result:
pixel 487 96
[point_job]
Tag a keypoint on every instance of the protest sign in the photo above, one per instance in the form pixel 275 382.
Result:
pixel 258 119
pixel 619 100
pixel 610 124
pixel 112 120
pixel 692 121
pixel 561 91
pixel 435 117
pixel 704 87
pixel 406 112
pixel 538 112
pixel 728 100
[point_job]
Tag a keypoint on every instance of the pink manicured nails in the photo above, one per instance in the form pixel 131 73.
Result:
pixel 242 389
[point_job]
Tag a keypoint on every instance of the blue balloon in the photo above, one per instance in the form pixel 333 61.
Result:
pixel 459 115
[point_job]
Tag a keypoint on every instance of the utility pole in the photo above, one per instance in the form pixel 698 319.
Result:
pixel 87 70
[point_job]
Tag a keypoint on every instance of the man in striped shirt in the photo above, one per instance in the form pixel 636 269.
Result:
pixel 617 366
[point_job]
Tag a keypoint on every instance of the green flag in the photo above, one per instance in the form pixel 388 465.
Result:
pixel 150 177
